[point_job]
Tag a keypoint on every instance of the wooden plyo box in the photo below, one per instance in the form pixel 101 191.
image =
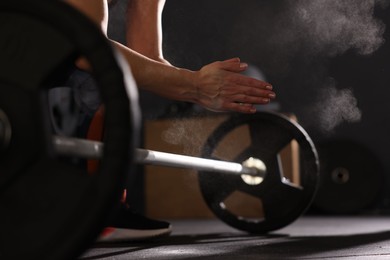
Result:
pixel 174 193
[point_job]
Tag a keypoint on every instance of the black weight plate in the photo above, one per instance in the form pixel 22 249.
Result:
pixel 282 201
pixel 51 209
pixel 351 177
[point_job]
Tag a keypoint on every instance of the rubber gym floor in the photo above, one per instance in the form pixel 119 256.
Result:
pixel 310 237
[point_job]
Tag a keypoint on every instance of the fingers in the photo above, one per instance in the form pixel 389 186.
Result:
pixel 245 94
pixel 241 108
pixel 249 81
pixel 252 100
pixel 233 65
pixel 243 99
pixel 247 106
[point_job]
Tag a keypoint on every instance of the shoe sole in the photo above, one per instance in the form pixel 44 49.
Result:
pixel 127 235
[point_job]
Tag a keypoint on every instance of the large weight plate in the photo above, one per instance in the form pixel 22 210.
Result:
pixel 52 209
pixel 263 136
pixel 352 178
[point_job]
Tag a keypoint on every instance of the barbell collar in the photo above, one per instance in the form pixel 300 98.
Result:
pixel 88 149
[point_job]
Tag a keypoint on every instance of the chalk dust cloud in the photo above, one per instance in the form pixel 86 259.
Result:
pixel 301 37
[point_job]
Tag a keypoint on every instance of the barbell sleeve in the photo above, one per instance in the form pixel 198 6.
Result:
pixel 70 146
pixel 88 149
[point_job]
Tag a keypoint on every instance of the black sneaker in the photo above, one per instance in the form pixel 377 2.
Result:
pixel 130 226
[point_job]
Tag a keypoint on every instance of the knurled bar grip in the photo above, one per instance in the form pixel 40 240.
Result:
pixel 70 146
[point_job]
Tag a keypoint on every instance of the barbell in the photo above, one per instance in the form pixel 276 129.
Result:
pixel 94 150
pixel 50 208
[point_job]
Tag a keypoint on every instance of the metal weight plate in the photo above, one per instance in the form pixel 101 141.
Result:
pixel 50 208
pixel 351 175
pixel 282 198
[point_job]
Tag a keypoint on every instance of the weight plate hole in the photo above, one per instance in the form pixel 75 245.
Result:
pixel 289 164
pixel 340 175
pixel 245 206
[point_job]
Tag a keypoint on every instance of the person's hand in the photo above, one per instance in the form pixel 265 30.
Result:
pixel 221 87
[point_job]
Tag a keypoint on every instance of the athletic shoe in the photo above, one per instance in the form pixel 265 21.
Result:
pixel 130 226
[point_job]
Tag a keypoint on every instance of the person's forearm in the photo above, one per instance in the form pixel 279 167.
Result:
pixel 161 79
pixel 144 32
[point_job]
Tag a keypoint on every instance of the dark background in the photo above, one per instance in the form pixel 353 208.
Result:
pixel 197 32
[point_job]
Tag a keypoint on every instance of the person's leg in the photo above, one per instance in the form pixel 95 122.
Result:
pixel 126 224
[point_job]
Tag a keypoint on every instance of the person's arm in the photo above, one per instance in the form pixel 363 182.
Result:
pixel 144 28
pixel 217 86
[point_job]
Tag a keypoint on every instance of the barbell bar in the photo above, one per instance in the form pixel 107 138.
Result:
pixel 70 146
